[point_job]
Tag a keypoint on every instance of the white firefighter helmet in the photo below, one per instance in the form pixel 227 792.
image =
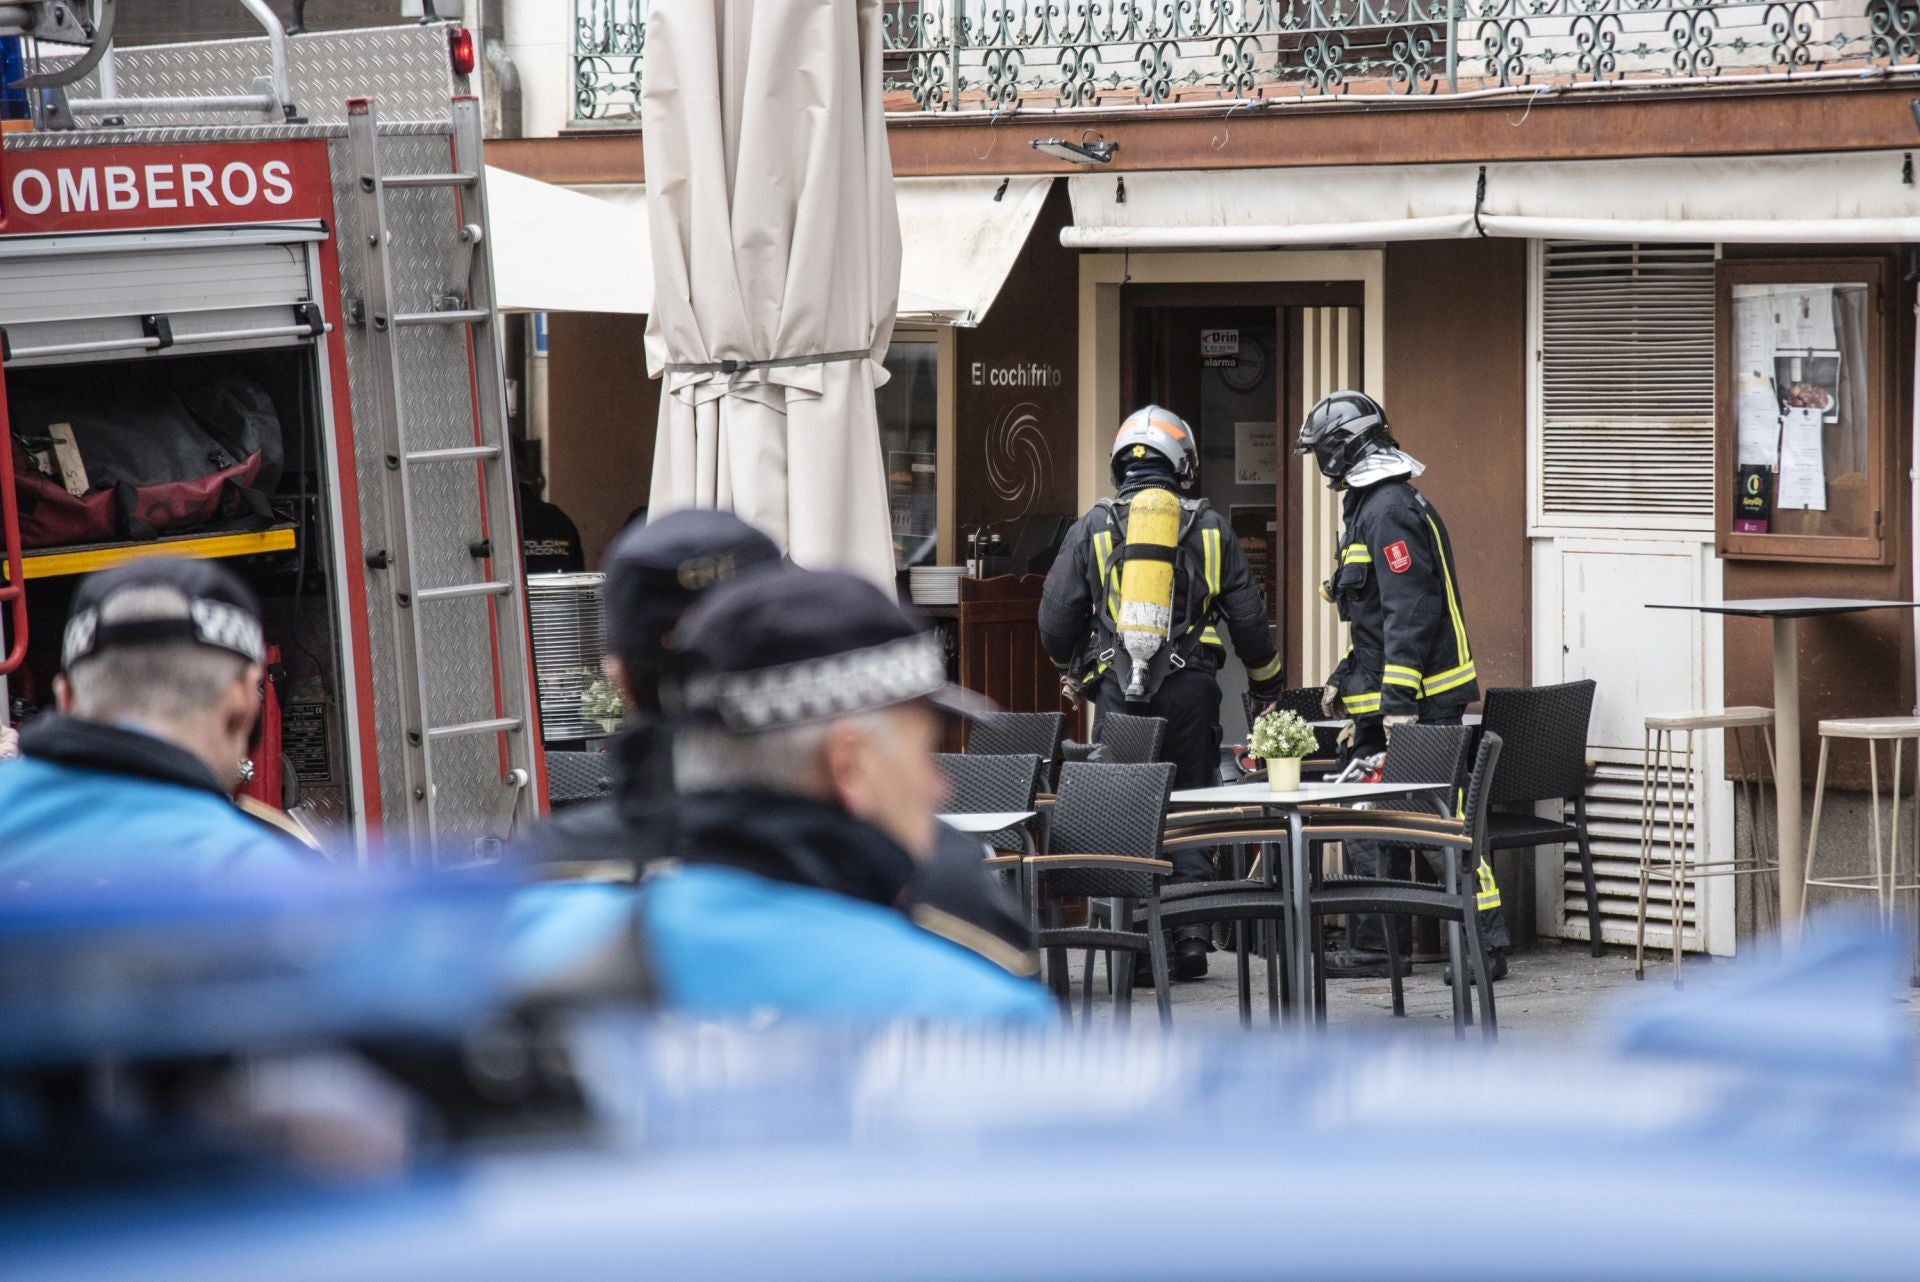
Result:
pixel 1158 431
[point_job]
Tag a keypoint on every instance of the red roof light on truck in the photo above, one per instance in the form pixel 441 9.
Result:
pixel 460 48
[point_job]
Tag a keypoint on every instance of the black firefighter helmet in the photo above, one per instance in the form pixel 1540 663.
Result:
pixel 1343 429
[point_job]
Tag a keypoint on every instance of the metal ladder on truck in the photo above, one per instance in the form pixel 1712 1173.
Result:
pixel 494 548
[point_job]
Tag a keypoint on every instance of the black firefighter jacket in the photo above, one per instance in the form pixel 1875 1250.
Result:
pixel 1396 585
pixel 1085 578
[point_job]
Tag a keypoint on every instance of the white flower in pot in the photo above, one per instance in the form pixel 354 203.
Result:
pixel 601 703
pixel 1280 740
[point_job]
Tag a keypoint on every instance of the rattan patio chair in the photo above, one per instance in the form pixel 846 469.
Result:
pixel 1461 842
pixel 1103 842
pixel 1545 732
pixel 983 784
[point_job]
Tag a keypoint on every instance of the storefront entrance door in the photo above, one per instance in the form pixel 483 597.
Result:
pixel 1238 363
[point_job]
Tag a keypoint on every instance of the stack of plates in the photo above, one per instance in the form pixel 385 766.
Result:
pixel 565 613
pixel 935 584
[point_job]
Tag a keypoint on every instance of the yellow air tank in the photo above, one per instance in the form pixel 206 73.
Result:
pixel 1146 583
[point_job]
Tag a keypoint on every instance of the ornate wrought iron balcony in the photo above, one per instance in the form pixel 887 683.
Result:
pixel 999 55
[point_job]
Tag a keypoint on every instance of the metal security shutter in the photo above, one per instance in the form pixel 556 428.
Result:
pixel 1613 824
pixel 1626 357
pixel 109 297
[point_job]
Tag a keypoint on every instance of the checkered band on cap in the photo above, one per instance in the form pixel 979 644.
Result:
pixel 839 685
pixel 159 612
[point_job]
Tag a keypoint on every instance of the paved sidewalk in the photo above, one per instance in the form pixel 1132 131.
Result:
pixel 1555 995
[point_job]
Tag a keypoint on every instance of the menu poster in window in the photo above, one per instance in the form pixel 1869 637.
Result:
pixel 1808 380
pixel 1803 466
pixel 1803 317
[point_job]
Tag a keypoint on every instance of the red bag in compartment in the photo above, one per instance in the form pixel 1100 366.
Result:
pixel 161 456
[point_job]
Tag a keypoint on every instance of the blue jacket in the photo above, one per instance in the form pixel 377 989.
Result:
pixel 89 804
pixel 780 905
pixel 726 943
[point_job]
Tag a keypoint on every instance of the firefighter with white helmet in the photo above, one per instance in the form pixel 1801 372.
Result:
pixel 1395 585
pixel 1134 609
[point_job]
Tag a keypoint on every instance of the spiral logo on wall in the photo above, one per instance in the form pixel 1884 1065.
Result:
pixel 1019 462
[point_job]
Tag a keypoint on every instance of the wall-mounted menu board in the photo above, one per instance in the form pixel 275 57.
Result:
pixel 1801 410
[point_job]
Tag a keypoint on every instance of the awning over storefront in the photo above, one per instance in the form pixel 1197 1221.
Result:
pixel 960 237
pixel 584 249
pixel 555 250
pixel 1834 198
pixel 1257 208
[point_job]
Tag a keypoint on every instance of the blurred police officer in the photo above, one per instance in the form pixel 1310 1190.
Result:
pixel 132 781
pixel 1395 585
pixel 654 572
pixel 1079 624
pixel 807 705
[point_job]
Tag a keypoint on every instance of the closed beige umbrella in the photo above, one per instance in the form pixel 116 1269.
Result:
pixel 776 254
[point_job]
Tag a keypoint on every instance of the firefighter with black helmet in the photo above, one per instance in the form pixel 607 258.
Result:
pixel 1134 610
pixel 1395 585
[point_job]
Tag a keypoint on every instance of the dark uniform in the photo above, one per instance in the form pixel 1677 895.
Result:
pixel 1395 586
pixel 549 540
pixel 1212 585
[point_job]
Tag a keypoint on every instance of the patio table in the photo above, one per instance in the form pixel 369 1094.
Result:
pixel 985 823
pixel 1290 804
pixel 1786 613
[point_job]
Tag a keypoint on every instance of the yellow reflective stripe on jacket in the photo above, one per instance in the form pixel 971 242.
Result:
pixel 1488 897
pixel 1453 600
pixel 1452 679
pixel 1395 674
pixel 1356 554
pixel 1266 671
pixel 1360 705
pixel 1210 567
pixel 1102 555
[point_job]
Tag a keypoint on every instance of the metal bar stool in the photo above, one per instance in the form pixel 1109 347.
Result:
pixel 1668 768
pixel 1884 881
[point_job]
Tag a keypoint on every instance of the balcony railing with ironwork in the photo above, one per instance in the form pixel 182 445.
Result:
pixel 1000 55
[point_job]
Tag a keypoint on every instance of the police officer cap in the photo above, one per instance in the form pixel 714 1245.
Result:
pixel 801 646
pixel 655 571
pixel 163 598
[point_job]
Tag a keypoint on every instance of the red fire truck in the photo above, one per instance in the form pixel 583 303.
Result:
pixel 301 266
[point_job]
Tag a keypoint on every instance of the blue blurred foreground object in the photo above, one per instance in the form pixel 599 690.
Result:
pixel 148 976
pixel 911 1152
pixel 1827 1013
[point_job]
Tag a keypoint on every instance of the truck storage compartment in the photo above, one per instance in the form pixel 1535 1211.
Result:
pixel 159 448
pixel 252 414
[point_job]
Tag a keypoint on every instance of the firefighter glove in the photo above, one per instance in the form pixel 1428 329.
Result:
pixel 1404 719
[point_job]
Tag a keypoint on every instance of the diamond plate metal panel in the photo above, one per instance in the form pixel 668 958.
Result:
pixel 406 68
pixel 436 397
pixel 468 774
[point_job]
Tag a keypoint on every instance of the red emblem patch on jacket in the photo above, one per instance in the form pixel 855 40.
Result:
pixel 1399 560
